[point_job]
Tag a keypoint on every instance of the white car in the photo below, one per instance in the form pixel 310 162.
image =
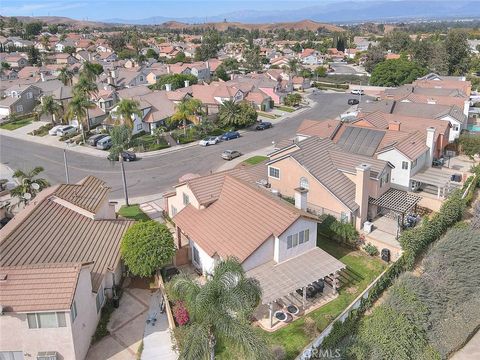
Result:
pixel 358 92
pixel 53 130
pixel 211 140
pixel 69 129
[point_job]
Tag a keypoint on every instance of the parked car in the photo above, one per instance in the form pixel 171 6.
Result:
pixel 105 143
pixel 357 92
pixel 230 154
pixel 53 130
pixel 353 101
pixel 230 135
pixel 126 156
pixel 69 129
pixel 211 140
pixel 93 140
pixel 263 125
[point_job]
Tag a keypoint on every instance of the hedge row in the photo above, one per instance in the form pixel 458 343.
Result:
pixel 413 242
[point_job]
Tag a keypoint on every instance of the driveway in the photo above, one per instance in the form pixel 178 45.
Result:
pixel 154 175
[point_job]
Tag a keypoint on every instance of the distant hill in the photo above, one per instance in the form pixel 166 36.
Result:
pixel 61 20
pixel 221 26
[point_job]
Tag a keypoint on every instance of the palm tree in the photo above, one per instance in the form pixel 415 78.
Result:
pixel 65 76
pixel 229 112
pixel 220 310
pixel 85 86
pixel 187 109
pixel 125 110
pixel 293 66
pixel 89 71
pixel 78 108
pixel 45 41
pixel 49 106
pixel 29 184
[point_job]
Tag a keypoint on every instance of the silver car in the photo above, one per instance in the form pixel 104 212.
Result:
pixel 231 154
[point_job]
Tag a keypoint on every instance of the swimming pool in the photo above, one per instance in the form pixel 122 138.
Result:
pixel 473 128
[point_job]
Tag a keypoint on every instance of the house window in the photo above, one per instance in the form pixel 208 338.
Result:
pixel 455 127
pixel 73 311
pixel 343 217
pixel 414 163
pixel 141 78
pixel 274 172
pixel 303 183
pixel 384 179
pixel 139 127
pixel 298 238
pixel 186 199
pixel 196 256
pixel 11 355
pixel 47 355
pixel 29 95
pixel 19 108
pixel 100 299
pixel 174 210
pixel 46 320
pixel 404 165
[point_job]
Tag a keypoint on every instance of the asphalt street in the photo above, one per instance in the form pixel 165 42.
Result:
pixel 344 69
pixel 154 175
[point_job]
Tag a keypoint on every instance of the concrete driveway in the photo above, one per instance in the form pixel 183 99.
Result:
pixel 126 327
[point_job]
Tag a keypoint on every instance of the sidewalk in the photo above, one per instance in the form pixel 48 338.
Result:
pixel 233 163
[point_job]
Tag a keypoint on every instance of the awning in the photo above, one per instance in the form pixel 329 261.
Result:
pixel 282 279
pixel 432 176
pixel 396 200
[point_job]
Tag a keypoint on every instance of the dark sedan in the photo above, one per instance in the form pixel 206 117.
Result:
pixel 230 135
pixel 93 140
pixel 353 101
pixel 126 156
pixel 263 125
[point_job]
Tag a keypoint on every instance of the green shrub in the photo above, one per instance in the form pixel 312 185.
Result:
pixel 371 250
pixel 101 330
pixel 339 231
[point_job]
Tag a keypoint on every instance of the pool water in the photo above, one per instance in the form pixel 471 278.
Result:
pixel 474 128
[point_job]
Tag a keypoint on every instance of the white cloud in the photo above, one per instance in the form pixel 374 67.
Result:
pixel 39 8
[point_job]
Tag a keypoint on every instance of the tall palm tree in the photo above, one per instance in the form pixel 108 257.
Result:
pixel 65 76
pixel 89 71
pixel 28 184
pixel 125 110
pixel 78 108
pixel 187 109
pixel 85 86
pixel 229 113
pixel 293 66
pixel 49 106
pixel 220 310
pixel 45 41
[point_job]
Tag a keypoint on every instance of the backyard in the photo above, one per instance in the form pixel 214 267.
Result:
pixel 13 125
pixel 361 271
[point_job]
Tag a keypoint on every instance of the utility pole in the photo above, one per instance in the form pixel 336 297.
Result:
pixel 124 179
pixel 66 165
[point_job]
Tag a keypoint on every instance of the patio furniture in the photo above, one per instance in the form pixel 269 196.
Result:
pixel 292 309
pixel 319 285
pixel 280 316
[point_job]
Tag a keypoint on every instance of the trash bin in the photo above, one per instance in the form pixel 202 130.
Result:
pixel 386 255
pixel 116 302
pixel 367 227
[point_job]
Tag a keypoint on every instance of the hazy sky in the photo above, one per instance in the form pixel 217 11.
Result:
pixel 140 9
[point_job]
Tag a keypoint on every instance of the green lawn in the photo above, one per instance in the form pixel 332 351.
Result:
pixel 267 115
pixel 133 212
pixel 361 271
pixel 16 124
pixel 148 142
pixel 285 108
pixel 255 160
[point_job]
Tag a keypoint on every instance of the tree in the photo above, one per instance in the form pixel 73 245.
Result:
pixel 85 86
pixel 186 110
pixel 29 184
pixel 375 55
pixel 45 41
pixel 33 55
pixel 458 52
pixel 33 29
pixel 230 64
pixel 237 114
pixel 210 46
pixel 399 41
pixel 147 246
pixel 53 29
pixel 125 111
pixel 396 72
pixel 91 70
pixel 221 73
pixel 117 42
pixel 297 48
pixel 220 310
pixel 121 136
pixel 470 144
pixel 292 99
pixel 49 106
pixel 151 54
pixel 253 61
pixel 293 66
pixel 320 71
pixel 78 109
pixel 65 76
pixel 69 49
pixel 176 81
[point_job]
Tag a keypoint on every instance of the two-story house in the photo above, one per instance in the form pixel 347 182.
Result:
pixel 20 99
pixel 52 295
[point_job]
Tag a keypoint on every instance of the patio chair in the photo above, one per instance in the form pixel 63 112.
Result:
pixel 319 285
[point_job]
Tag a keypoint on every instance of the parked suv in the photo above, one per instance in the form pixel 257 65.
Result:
pixel 66 130
pixel 93 140
pixel 105 143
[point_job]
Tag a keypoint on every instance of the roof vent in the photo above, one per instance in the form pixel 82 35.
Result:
pixel 3 277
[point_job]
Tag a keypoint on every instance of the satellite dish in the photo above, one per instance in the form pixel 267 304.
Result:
pixel 27 196
pixel 35 186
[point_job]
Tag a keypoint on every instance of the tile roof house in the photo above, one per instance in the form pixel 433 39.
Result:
pixel 238 218
pixel 59 259
pixel 337 183
pixel 20 99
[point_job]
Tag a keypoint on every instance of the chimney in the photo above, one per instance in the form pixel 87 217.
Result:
pixel 301 198
pixel 187 83
pixel 42 76
pixel 361 193
pixel 430 144
pixel 394 125
pixel 168 87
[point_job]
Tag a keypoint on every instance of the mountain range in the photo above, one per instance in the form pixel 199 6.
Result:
pixel 338 12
